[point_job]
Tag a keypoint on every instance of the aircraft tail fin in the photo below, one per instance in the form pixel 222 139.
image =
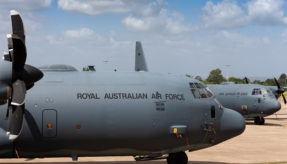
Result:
pixel 140 64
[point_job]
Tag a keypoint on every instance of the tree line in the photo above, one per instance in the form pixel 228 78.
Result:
pixel 216 77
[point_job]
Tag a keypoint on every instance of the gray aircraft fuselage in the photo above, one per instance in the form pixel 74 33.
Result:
pixel 239 97
pixel 251 100
pixel 93 113
pixel 70 113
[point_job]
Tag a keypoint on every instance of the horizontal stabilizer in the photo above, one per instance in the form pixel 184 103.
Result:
pixel 140 64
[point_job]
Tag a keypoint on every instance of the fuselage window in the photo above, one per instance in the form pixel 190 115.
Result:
pixel 256 91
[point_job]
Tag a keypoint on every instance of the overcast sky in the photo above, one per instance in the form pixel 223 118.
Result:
pixel 184 37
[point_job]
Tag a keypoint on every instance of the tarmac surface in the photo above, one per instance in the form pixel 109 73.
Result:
pixel 258 144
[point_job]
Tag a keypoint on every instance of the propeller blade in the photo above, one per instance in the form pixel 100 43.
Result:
pixel 18 93
pixel 15 121
pixel 11 55
pixel 278 85
pixel 10 41
pixel 280 90
pixel 284 99
pixel 246 80
pixel 7 56
pixel 17 24
pixel 17 75
pixel 20 54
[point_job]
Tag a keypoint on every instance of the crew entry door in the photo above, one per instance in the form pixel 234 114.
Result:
pixel 202 94
pixel 257 92
pixel 49 123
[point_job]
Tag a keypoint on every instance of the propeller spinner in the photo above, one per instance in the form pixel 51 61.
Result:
pixel 280 90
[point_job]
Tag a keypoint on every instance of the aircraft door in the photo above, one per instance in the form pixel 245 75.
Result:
pixel 257 102
pixel 209 108
pixel 49 123
pixel 209 126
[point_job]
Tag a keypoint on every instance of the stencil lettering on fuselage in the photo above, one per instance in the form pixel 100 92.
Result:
pixel 131 96
pixel 233 94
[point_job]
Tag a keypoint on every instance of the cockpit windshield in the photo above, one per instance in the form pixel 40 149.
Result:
pixel 256 91
pixel 261 91
pixel 264 92
pixel 198 90
pixel 269 92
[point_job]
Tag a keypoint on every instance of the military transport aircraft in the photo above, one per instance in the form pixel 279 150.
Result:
pixel 69 113
pixel 251 100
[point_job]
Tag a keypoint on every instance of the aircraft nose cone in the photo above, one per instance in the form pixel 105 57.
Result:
pixel 274 107
pixel 232 124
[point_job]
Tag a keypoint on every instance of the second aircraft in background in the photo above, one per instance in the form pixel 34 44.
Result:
pixel 253 101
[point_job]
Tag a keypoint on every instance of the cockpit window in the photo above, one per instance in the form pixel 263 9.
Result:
pixel 194 90
pixel 270 93
pixel 256 91
pixel 198 85
pixel 198 91
pixel 209 93
pixel 264 91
